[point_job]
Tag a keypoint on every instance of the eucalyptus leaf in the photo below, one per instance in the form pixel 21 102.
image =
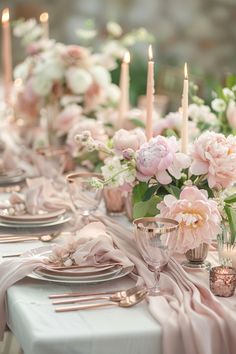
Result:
pixel 137 122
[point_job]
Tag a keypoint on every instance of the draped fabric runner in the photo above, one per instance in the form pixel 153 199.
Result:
pixel 193 320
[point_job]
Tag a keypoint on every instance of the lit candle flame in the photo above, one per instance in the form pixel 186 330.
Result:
pixel 127 57
pixel 150 53
pixel 43 17
pixel 5 15
pixel 185 71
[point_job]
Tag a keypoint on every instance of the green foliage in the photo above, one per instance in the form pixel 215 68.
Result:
pixel 231 216
pixel 147 208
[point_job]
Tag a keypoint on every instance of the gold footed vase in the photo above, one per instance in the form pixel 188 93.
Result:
pixel 196 257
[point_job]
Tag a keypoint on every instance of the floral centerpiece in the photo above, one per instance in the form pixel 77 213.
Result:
pixel 190 188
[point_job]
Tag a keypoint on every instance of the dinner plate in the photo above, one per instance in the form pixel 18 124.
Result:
pixel 84 280
pixel 12 177
pixel 112 273
pixel 69 275
pixel 41 217
pixel 59 221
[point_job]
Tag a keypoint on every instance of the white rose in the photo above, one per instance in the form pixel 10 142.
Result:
pixel 113 93
pixel 218 105
pixel 114 29
pixel 228 93
pixel 41 85
pixel 101 76
pixel 78 80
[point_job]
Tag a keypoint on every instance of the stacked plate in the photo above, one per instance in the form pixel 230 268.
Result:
pixel 11 177
pixel 76 274
pixel 40 220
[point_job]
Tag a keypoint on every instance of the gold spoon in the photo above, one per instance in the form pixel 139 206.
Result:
pixel 128 301
pixel 43 238
pixel 117 296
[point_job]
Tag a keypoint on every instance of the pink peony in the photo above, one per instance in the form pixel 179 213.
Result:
pixel 214 155
pixel 67 118
pixel 160 158
pixel 231 114
pixel 171 121
pixel 124 139
pixel 198 216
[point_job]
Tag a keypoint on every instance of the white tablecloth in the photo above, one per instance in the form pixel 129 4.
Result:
pixel 104 331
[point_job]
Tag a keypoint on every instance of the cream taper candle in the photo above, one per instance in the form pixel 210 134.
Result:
pixel 6 54
pixel 124 89
pixel 184 126
pixel 44 20
pixel 150 94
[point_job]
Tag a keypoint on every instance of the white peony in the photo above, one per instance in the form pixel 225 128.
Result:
pixel 78 80
pixel 113 93
pixel 101 76
pixel 41 85
pixel 21 71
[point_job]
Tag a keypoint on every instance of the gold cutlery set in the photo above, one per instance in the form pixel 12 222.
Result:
pixel 121 298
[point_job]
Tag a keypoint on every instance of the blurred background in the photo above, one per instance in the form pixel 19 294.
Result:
pixel 202 32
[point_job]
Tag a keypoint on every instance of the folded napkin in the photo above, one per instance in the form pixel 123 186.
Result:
pixel 91 246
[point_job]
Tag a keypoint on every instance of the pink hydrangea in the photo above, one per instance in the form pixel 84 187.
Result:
pixel 124 139
pixel 198 216
pixel 160 158
pixel 214 155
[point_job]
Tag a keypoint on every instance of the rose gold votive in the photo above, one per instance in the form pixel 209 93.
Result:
pixel 222 281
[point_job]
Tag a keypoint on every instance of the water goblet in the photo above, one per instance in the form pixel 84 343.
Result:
pixel 84 195
pixel 156 239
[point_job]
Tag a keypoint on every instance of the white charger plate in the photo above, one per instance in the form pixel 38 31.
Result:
pixel 41 217
pixel 59 221
pixel 84 280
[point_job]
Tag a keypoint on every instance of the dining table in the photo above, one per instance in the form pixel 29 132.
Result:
pixel 40 330
pixel 114 330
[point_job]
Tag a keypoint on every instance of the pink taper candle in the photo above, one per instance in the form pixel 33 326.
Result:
pixel 184 128
pixel 150 94
pixel 44 20
pixel 6 55
pixel 124 89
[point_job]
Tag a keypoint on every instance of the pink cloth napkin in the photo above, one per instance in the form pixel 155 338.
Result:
pixel 92 245
pixel 42 195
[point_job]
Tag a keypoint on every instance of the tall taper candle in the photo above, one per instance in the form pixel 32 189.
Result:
pixel 124 89
pixel 150 94
pixel 184 128
pixel 44 20
pixel 6 55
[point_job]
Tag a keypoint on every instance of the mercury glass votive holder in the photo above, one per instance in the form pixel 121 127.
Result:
pixel 222 281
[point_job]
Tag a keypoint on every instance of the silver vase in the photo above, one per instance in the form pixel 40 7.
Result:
pixel 196 257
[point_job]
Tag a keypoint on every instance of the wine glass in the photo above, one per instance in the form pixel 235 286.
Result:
pixel 156 239
pixel 84 195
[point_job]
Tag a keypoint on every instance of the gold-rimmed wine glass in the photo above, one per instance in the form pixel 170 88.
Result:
pixel 156 239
